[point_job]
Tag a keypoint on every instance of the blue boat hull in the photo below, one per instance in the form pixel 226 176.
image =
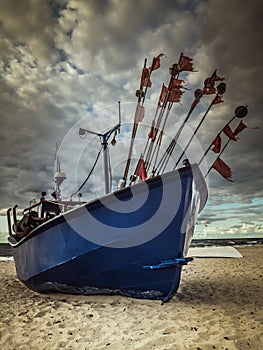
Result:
pixel 132 242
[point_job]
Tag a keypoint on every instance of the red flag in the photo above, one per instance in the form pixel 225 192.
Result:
pixel 223 169
pixel 175 83
pixel 156 62
pixel 139 114
pixel 227 130
pixel 175 95
pixel 217 144
pixel 215 77
pixel 145 79
pixel 153 132
pixel 217 99
pixel 162 95
pixel 185 64
pixel 141 170
pixel 241 126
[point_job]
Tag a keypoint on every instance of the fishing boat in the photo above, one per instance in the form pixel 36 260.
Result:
pixel 131 241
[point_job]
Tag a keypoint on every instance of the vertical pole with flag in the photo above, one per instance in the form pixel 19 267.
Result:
pixel 173 94
pixel 240 112
pixel 221 88
pixel 139 113
pixel 218 164
pixel 209 88
pixel 162 104
pixel 165 158
pixel 155 126
pixel 140 94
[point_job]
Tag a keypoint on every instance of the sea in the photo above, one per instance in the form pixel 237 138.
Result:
pixel 6 253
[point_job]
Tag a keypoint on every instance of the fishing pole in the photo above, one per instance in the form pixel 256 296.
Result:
pixel 165 158
pixel 240 112
pixel 139 113
pixel 141 95
pixel 221 88
pixel 173 94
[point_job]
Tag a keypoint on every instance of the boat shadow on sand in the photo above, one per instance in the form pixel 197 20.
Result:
pixel 200 290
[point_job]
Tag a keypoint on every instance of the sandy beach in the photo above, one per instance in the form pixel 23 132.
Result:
pixel 218 306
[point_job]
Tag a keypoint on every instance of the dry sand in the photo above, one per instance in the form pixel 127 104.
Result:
pixel 218 306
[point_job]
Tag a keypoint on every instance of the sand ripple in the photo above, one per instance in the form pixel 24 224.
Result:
pixel 219 306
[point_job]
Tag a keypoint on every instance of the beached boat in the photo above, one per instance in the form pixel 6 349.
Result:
pixel 97 248
pixel 132 241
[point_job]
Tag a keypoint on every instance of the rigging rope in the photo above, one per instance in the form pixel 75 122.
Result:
pixel 89 175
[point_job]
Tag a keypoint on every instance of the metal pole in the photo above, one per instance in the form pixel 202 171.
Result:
pixel 106 165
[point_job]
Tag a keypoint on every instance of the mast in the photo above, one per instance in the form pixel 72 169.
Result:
pixel 104 142
pixel 106 165
pixel 59 177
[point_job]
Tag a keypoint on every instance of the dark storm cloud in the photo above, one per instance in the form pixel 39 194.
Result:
pixel 230 40
pixel 31 24
pixel 59 59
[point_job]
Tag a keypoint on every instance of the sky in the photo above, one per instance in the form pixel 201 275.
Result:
pixel 66 64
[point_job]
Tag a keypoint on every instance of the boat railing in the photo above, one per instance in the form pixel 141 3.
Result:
pixel 35 215
pixel 68 205
pixel 32 217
